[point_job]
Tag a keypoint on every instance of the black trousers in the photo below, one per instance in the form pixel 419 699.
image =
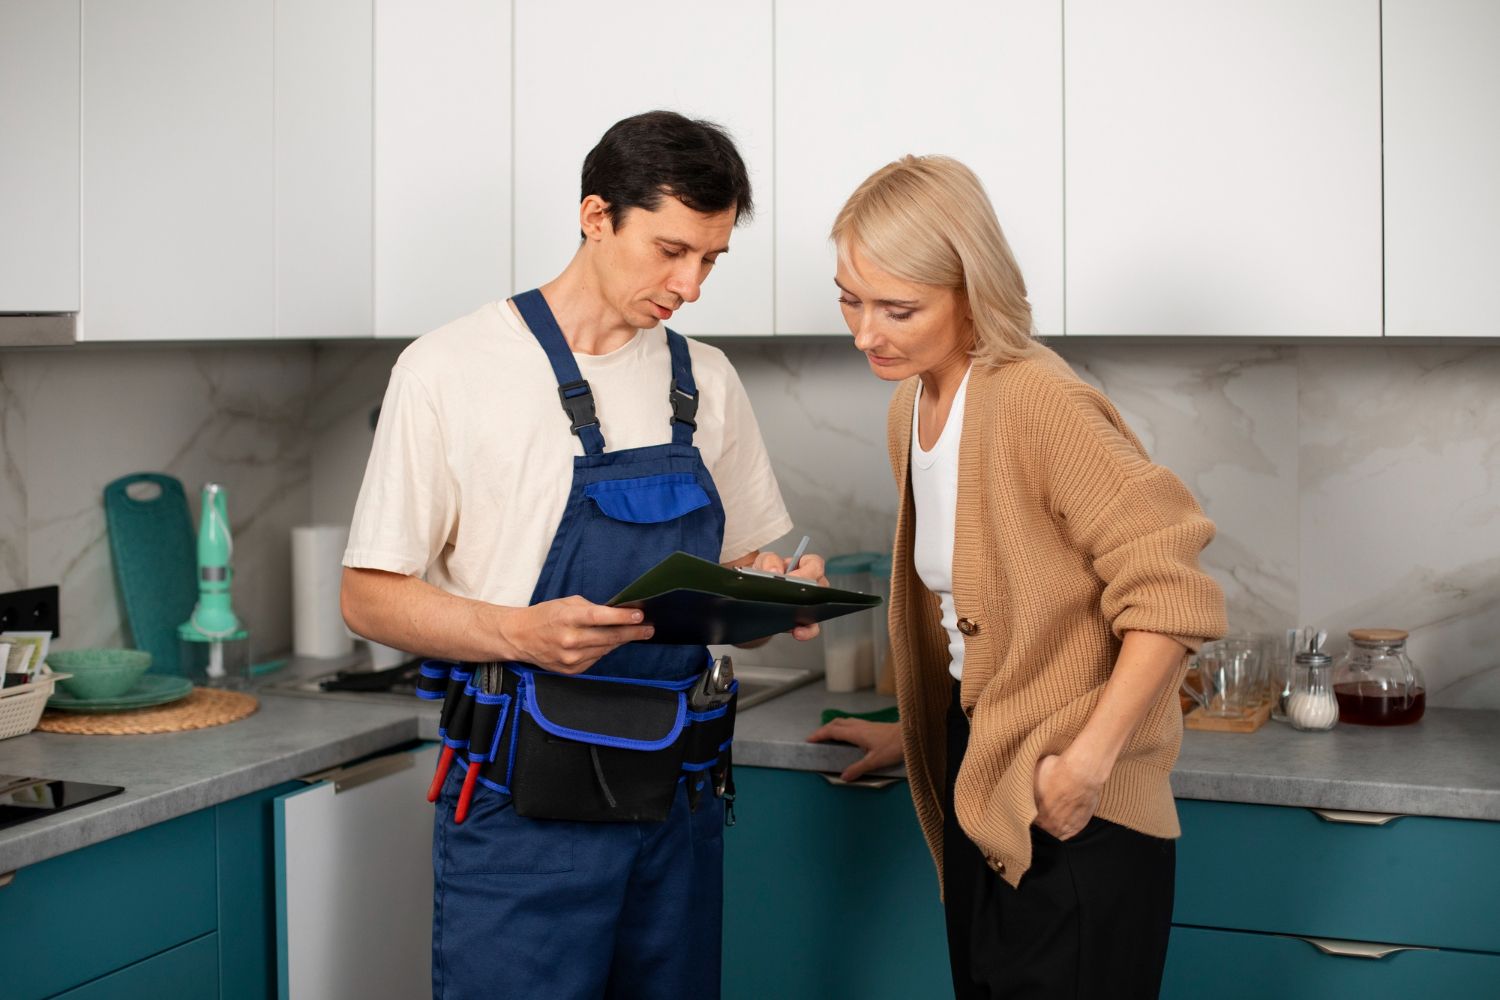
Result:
pixel 1090 919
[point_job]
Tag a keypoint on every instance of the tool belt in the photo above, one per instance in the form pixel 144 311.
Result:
pixel 602 749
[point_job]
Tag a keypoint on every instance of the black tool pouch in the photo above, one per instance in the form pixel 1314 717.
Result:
pixel 596 749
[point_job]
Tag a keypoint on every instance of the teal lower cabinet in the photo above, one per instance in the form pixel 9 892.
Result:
pixel 1290 902
pixel 828 892
pixel 75 918
pixel 1235 965
pixel 188 972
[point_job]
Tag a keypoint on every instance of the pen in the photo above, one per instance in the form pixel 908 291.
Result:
pixel 797 556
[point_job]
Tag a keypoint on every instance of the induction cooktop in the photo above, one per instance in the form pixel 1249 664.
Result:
pixel 23 798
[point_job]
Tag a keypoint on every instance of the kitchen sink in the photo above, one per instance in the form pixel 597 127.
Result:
pixel 760 683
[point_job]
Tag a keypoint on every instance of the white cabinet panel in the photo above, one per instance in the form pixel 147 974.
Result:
pixel 39 155
pixel 324 81
pixel 1442 161
pixel 580 67
pixel 177 170
pixel 354 883
pixel 860 85
pixel 1223 168
pixel 442 161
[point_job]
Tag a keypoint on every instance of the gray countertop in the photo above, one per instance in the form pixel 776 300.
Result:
pixel 1446 765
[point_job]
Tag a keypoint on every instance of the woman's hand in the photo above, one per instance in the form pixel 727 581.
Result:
pixel 1066 795
pixel 881 742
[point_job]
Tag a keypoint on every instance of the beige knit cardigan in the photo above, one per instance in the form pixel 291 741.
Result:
pixel 1067 536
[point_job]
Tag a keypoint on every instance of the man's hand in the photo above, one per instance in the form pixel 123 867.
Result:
pixel 881 742
pixel 809 567
pixel 570 634
pixel 1067 794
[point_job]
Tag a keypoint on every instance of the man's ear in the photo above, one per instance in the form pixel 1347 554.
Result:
pixel 593 218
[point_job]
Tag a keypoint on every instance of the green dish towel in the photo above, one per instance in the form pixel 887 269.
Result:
pixel 879 715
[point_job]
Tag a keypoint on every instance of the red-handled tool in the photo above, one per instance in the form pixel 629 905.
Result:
pixel 445 761
pixel 461 811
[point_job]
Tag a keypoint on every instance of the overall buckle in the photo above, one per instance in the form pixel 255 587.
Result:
pixel 684 405
pixel 578 400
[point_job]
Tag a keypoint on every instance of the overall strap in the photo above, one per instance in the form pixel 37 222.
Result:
pixel 577 398
pixel 684 394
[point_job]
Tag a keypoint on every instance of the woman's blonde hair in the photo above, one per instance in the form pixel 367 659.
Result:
pixel 926 219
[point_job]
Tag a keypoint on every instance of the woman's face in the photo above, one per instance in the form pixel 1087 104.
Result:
pixel 903 328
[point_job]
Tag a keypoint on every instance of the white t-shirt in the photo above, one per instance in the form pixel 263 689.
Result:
pixel 473 457
pixel 934 490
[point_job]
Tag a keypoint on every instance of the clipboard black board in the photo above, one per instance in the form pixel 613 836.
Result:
pixel 693 601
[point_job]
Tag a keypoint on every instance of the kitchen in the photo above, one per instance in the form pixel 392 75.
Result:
pixel 1261 233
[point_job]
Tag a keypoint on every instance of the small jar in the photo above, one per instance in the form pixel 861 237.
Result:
pixel 848 646
pixel 1311 706
pixel 1375 681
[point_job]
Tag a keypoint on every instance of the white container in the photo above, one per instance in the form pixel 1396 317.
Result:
pixel 848 646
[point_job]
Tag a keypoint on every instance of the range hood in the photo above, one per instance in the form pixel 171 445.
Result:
pixel 38 329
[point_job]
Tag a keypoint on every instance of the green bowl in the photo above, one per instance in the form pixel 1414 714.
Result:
pixel 99 673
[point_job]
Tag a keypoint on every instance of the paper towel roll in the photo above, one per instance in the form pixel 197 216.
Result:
pixel 317 566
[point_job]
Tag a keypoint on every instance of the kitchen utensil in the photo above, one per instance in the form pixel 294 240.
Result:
pixel 151 542
pixel 1375 682
pixel 215 650
pixel 151 690
pixel 100 674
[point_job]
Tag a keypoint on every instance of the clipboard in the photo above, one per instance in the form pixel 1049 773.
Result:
pixel 693 601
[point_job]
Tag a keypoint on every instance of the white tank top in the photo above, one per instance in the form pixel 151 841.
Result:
pixel 934 490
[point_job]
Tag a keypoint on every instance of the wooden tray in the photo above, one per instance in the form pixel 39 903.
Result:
pixel 1196 719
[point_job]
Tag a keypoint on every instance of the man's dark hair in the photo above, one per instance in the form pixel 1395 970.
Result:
pixel 647 156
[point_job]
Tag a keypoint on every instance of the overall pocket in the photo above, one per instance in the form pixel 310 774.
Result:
pixel 648 499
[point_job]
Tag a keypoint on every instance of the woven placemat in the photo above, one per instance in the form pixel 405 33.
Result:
pixel 203 708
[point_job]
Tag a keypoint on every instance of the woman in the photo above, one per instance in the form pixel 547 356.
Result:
pixel 1044 595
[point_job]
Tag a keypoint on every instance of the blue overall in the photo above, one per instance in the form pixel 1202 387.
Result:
pixel 559 909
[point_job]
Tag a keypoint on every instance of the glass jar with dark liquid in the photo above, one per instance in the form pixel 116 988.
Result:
pixel 1375 682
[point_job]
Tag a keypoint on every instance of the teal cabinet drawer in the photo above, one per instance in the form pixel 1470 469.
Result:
pixel 1418 880
pixel 188 972
pixel 1232 965
pixel 828 892
pixel 75 917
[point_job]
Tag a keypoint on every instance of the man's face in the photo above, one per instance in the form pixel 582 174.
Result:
pixel 656 260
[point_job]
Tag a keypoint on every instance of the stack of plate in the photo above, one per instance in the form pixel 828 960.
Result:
pixel 150 690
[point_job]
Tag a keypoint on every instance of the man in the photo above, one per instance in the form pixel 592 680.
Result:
pixel 531 459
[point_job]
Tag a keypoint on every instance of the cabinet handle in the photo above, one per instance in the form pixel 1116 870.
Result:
pixel 1358 949
pixel 1356 818
pixel 345 778
pixel 6 878
pixel 866 782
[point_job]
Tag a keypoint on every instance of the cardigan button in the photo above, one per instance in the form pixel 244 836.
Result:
pixel 968 626
pixel 996 865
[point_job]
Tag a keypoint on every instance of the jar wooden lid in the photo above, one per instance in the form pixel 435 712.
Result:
pixel 1377 635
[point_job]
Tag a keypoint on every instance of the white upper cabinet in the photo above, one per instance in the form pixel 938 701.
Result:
pixel 324 80
pixel 442 161
pixel 1223 168
pixel 177 170
pixel 39 155
pixel 860 85
pixel 580 67
pixel 1442 162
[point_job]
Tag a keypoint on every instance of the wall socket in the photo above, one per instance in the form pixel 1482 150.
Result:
pixel 34 610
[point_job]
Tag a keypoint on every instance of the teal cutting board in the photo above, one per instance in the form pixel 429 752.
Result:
pixel 156 561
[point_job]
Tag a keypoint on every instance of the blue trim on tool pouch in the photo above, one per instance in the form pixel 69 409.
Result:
pixel 523 671
pixel 482 780
pixel 601 739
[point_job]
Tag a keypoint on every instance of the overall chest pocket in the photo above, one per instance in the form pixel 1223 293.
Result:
pixel 648 499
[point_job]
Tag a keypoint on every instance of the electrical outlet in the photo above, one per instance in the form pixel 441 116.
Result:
pixel 34 610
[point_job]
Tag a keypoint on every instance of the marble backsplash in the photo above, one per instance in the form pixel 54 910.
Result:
pixel 1352 484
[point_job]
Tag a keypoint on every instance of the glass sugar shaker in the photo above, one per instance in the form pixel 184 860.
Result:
pixel 1312 706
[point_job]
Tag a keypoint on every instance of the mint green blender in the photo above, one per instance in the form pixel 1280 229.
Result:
pixel 215 649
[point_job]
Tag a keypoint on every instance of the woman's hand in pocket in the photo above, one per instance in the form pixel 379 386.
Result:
pixel 881 742
pixel 1066 795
